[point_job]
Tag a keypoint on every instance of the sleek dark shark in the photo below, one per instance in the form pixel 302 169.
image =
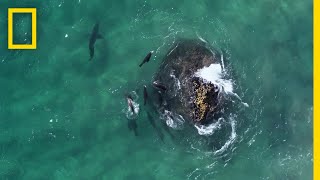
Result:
pixel 146 59
pixel 93 38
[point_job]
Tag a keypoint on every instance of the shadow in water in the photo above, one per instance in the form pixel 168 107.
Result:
pixel 153 124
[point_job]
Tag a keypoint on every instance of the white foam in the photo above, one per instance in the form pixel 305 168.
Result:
pixel 245 104
pixel 136 109
pixel 214 74
pixel 174 121
pixel 210 129
pixel 232 137
pixel 222 61
pixel 201 39
pixel 173 49
pixel 170 123
pixel 177 83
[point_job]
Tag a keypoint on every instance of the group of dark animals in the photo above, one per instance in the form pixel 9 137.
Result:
pixel 161 88
pixel 132 125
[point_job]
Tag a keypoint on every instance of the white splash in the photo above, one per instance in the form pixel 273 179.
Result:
pixel 174 121
pixel 222 61
pixel 209 129
pixel 177 83
pixel 173 49
pixel 232 137
pixel 136 109
pixel 201 39
pixel 214 74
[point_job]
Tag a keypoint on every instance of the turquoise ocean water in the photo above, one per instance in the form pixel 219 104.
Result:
pixel 63 117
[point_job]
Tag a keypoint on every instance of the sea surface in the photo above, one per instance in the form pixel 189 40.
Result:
pixel 65 117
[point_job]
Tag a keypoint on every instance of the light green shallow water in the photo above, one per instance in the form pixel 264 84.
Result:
pixel 61 116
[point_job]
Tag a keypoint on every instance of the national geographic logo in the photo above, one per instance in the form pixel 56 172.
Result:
pixel 33 12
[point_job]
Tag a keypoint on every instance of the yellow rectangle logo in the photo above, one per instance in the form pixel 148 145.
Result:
pixel 33 44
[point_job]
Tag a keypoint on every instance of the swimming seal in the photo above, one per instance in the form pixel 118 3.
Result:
pixel 130 104
pixel 159 85
pixel 146 59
